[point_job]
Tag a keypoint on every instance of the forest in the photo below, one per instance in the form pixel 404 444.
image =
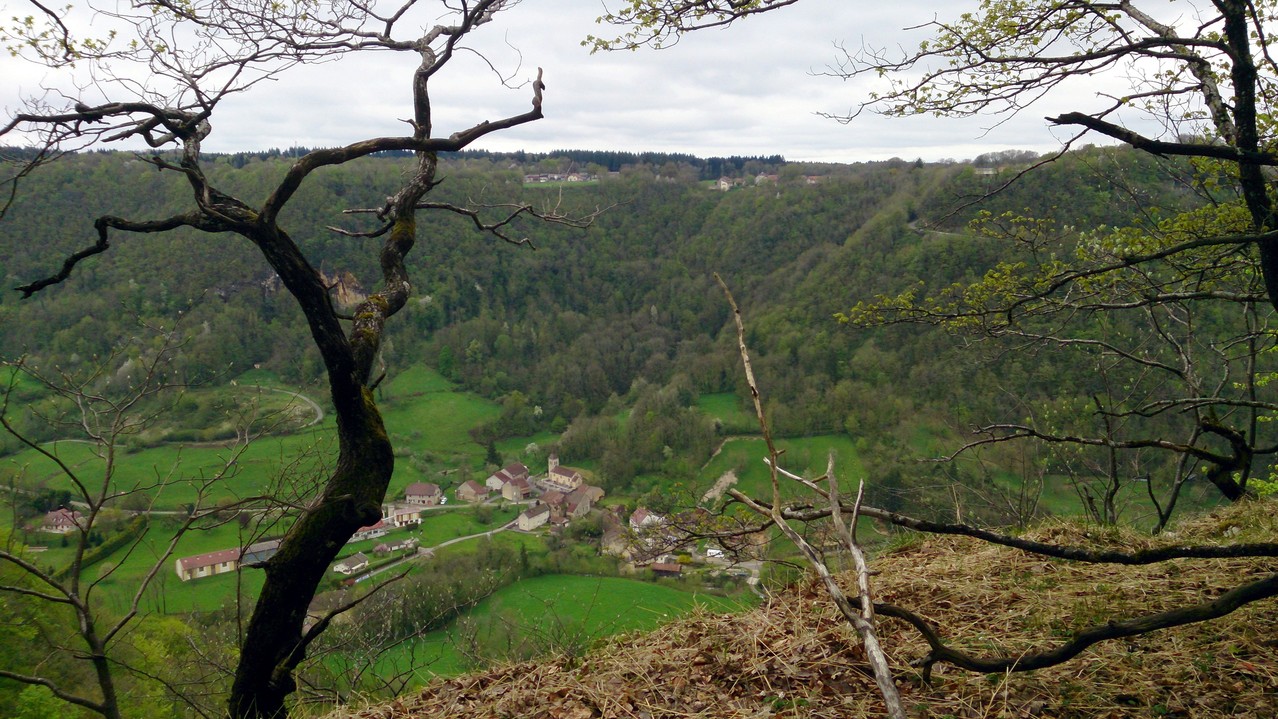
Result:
pixel 611 346
pixel 578 326
pixel 292 430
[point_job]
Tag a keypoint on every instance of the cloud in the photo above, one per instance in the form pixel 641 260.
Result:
pixel 752 89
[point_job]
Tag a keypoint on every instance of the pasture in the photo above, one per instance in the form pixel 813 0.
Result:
pixel 554 613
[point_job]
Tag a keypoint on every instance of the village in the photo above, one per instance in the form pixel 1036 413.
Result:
pixel 551 500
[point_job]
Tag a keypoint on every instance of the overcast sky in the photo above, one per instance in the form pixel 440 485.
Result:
pixel 751 89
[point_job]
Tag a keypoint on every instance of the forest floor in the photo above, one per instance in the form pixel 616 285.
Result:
pixel 794 657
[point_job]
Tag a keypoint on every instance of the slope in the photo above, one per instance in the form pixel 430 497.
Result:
pixel 792 657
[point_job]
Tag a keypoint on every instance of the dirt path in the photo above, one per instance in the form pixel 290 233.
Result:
pixel 721 485
pixel 318 410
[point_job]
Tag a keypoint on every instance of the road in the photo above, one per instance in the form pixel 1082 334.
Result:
pixel 423 551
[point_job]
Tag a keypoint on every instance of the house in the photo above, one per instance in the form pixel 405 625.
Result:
pixel 516 489
pixel 642 519
pixel 260 552
pixel 666 569
pixel 351 564
pixel 61 521
pixel 556 501
pixel 423 493
pixel 208 564
pixel 497 480
pixel 578 502
pixel 533 517
pixel 388 547
pixel 372 531
pixel 565 479
pixel 472 491
pixel 403 516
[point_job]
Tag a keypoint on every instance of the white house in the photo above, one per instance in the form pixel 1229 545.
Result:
pixel 61 521
pixel 533 517
pixel 511 472
pixel 372 531
pixel 351 564
pixel 642 519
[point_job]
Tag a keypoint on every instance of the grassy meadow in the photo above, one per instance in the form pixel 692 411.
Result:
pixel 806 456
pixel 729 409
pixel 557 612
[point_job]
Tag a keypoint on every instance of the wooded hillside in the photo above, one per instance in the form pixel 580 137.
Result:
pixel 575 326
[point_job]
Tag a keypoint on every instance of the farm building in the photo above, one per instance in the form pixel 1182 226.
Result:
pixel 509 473
pixel 208 564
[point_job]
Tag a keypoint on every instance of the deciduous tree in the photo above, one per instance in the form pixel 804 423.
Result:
pixel 162 87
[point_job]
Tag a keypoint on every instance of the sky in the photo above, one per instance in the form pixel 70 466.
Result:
pixel 754 88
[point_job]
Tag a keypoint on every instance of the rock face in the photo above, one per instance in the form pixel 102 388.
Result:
pixel 345 288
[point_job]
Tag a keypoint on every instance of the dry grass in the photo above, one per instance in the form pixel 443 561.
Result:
pixel 794 658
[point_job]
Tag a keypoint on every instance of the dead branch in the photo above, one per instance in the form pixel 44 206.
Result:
pixel 862 621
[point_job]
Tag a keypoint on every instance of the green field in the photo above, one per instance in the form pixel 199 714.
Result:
pixel 557 612
pixel 123 571
pixel 805 456
pixel 727 407
pixel 174 475
pixel 429 421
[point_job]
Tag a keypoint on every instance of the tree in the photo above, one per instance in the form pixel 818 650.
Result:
pixel 187 59
pixel 823 511
pixel 75 640
pixel 1208 82
pixel 1178 351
